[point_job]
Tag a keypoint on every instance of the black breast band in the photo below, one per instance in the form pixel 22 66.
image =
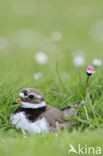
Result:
pixel 31 113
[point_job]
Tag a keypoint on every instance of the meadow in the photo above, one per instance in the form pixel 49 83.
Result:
pixel 63 31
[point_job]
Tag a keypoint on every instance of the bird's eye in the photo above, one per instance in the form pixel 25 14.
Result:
pixel 31 96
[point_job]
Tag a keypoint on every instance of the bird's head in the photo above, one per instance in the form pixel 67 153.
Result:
pixel 31 98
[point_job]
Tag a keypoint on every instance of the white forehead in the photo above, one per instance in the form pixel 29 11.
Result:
pixel 22 95
pixel 36 95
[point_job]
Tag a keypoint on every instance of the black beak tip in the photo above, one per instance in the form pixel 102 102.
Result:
pixel 14 103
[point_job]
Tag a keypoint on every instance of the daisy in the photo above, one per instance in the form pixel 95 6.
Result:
pixel 79 60
pixel 97 62
pixel 41 58
pixel 90 70
pixel 37 76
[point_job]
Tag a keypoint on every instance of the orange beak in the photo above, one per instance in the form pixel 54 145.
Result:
pixel 18 101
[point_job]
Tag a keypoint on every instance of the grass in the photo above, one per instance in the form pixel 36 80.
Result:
pixel 28 33
pixel 49 143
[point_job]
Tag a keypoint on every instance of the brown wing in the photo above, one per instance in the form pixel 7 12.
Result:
pixel 54 116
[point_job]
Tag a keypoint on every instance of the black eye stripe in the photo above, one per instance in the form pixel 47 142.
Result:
pixel 31 96
pixel 25 92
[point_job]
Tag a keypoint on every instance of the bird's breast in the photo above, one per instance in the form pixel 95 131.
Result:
pixel 20 121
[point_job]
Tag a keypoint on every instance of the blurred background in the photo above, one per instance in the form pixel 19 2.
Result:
pixel 35 35
pixel 48 44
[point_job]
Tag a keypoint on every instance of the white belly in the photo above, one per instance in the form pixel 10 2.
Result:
pixel 21 122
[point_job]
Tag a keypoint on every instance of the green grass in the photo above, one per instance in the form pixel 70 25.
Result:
pixel 48 144
pixel 74 20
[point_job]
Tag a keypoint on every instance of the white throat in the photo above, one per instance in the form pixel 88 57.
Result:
pixel 30 105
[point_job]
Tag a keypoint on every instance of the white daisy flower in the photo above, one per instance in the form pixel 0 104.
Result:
pixel 41 58
pixel 79 60
pixel 38 75
pixel 97 62
pixel 90 70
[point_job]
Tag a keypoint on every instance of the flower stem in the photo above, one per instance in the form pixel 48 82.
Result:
pixel 89 99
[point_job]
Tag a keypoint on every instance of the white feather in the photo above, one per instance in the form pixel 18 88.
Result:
pixel 21 122
pixel 37 96
pixel 30 105
pixel 23 96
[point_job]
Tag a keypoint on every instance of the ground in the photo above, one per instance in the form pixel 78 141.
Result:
pixel 62 30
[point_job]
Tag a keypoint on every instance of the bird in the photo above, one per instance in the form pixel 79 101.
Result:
pixel 34 115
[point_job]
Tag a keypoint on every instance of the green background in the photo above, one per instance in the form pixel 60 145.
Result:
pixel 26 27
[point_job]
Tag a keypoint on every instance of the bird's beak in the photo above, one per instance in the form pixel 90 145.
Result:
pixel 18 101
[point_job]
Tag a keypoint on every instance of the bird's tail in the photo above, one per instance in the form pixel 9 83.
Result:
pixel 79 103
pixel 69 111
